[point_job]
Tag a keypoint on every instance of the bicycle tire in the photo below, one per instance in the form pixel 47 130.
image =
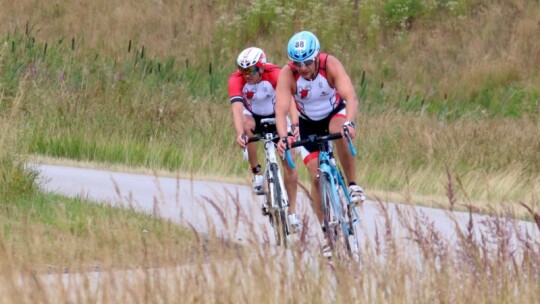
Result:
pixel 269 196
pixel 326 208
pixel 336 230
pixel 280 216
pixel 351 220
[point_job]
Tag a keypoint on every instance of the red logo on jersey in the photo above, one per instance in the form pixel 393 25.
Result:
pixel 304 93
pixel 250 94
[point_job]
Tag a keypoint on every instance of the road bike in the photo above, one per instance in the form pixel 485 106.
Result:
pixel 275 198
pixel 340 218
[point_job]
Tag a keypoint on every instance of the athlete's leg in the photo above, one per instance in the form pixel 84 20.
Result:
pixel 290 179
pixel 249 124
pixel 347 160
pixel 313 168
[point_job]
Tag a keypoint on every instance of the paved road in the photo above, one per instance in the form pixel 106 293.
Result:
pixel 233 211
pixel 229 210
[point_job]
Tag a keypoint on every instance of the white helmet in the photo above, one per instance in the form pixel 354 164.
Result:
pixel 251 57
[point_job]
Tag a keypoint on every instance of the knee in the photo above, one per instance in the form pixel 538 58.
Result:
pixel 291 174
pixel 314 181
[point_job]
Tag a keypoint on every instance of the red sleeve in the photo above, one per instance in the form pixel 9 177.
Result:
pixel 236 84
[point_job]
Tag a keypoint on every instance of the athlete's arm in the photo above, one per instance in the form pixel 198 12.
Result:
pixel 284 91
pixel 238 120
pixel 235 85
pixel 284 103
pixel 293 113
pixel 344 86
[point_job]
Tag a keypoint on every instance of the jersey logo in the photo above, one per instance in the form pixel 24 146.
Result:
pixel 250 94
pixel 304 92
pixel 268 95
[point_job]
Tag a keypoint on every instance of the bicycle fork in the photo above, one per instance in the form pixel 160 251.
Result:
pixel 271 159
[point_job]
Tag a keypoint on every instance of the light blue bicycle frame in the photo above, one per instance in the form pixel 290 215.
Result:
pixel 329 170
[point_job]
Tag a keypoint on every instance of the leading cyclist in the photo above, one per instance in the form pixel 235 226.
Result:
pixel 326 101
pixel 252 97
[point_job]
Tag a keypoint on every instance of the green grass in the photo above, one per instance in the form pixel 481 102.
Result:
pixel 40 231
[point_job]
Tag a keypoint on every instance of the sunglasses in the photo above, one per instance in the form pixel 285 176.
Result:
pixel 299 64
pixel 249 71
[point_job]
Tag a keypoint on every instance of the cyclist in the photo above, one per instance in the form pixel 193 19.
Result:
pixel 326 101
pixel 252 98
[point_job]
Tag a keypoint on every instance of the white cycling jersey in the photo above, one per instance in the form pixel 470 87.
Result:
pixel 315 99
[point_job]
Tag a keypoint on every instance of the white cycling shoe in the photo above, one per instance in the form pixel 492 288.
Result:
pixel 357 194
pixel 294 223
pixel 325 249
pixel 258 184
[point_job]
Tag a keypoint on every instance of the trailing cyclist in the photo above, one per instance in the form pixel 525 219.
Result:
pixel 252 98
pixel 326 102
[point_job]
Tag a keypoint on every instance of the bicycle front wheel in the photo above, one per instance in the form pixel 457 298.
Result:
pixel 335 226
pixel 352 221
pixel 279 214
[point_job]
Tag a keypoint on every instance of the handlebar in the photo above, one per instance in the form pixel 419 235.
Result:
pixel 253 139
pixel 259 137
pixel 318 140
pixel 290 161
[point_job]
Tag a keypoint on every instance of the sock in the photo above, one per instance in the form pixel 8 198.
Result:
pixel 256 169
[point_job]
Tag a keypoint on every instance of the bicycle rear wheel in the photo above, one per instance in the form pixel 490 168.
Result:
pixel 279 215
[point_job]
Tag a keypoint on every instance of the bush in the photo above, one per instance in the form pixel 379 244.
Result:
pixel 15 178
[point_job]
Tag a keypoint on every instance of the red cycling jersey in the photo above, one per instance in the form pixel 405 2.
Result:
pixel 258 98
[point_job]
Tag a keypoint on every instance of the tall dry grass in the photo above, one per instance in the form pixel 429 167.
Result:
pixel 492 39
pixel 180 28
pixel 409 260
pixel 494 160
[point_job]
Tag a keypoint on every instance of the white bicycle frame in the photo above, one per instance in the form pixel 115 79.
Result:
pixel 270 152
pixel 276 200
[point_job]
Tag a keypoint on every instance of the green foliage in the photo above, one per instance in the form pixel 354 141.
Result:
pixel 15 179
pixel 401 12
pixel 371 20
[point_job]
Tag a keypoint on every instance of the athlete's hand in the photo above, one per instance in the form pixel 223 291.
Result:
pixel 281 146
pixel 295 130
pixel 241 140
pixel 352 129
pixel 352 132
